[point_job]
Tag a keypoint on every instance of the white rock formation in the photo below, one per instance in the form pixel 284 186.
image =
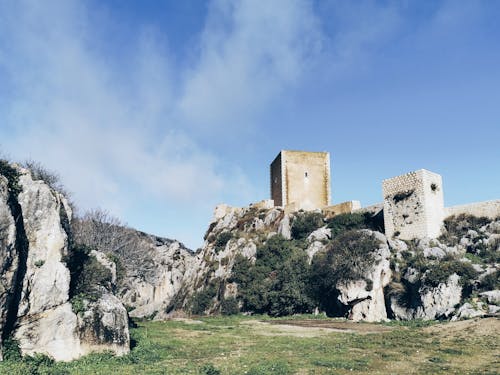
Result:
pixel 367 302
pixel 39 301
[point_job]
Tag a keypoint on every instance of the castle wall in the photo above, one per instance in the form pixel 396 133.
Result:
pixel 341 208
pixel 301 179
pixel 413 205
pixel 276 175
pixel 490 209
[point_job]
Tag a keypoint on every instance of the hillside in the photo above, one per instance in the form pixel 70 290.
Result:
pixel 69 285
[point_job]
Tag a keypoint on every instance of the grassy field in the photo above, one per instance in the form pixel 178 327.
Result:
pixel 259 345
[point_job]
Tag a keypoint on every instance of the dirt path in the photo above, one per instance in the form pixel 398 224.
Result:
pixel 311 327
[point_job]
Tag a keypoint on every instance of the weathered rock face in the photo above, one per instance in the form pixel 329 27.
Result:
pixel 364 302
pixel 8 255
pixel 35 305
pixel 239 231
pixel 149 285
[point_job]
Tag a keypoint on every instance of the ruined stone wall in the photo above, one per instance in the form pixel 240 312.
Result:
pixel 301 179
pixel 490 209
pixel 341 208
pixel 413 205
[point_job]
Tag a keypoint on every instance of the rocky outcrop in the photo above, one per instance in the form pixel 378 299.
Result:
pixel 364 298
pixel 9 257
pixel 156 275
pixel 36 307
pixel 406 281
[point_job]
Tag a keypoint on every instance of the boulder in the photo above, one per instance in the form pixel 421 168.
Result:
pixel 468 311
pixel 437 302
pixel 321 234
pixel 366 302
pixel 493 296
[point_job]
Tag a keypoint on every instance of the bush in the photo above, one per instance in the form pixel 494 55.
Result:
pixel 229 306
pixel 348 258
pixel 202 300
pixel 440 272
pixel 12 176
pixel 222 240
pixel 209 369
pixel 88 276
pixel 10 350
pixel 277 284
pixel 457 226
pixel 305 223
pixel 345 222
pixel 491 281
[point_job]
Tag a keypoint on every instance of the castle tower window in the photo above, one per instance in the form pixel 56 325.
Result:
pixel 305 175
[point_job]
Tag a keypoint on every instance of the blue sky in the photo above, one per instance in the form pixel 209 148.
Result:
pixel 159 110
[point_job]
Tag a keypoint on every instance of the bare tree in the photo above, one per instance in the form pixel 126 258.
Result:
pixel 101 231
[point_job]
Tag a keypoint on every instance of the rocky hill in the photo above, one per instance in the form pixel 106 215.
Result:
pixel 266 261
pixel 66 284
pixel 48 304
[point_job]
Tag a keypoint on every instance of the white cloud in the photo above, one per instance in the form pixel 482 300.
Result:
pixel 117 129
pixel 249 53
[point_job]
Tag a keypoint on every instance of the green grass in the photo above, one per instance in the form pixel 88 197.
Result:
pixel 250 346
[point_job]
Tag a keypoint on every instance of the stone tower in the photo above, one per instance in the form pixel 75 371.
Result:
pixel 413 205
pixel 301 180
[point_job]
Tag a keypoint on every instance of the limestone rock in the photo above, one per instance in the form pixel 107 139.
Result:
pixel 8 254
pixel 314 248
pixel 104 326
pixel 285 228
pixel 53 333
pixel 366 302
pixel 434 252
pixel 321 234
pixel 155 272
pixel 40 282
pixel 436 301
pixel 493 309
pixel 493 296
pixel 468 311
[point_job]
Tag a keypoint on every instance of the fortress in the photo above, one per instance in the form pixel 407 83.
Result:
pixel 413 205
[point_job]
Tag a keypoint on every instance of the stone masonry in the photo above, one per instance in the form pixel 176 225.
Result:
pixel 413 205
pixel 301 180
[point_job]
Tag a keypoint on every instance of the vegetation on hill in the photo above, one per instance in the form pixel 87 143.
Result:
pixel 277 283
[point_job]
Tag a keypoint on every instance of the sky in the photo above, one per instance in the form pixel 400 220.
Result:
pixel 157 111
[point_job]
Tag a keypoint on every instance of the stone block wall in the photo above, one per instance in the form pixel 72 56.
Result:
pixel 489 209
pixel 341 208
pixel 413 205
pixel 301 179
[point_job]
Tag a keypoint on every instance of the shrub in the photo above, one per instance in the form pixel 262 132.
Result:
pixel 345 222
pixel 277 284
pixel 222 240
pixel 349 257
pixel 491 281
pixel 305 223
pixel 439 272
pixel 88 276
pixel 209 369
pixel 201 301
pixel 10 350
pixel 229 306
pixel 12 176
pixel 457 226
